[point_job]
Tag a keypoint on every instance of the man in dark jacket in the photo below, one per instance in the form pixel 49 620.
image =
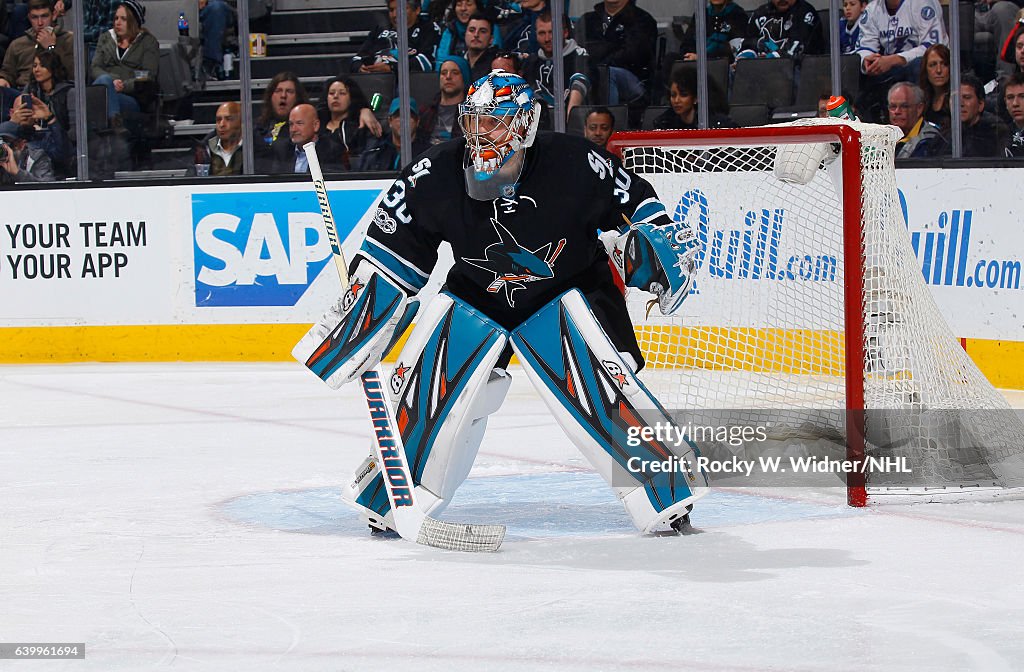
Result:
pixel 982 132
pixel 303 127
pixel 783 29
pixel 622 36
pixel 222 148
pixel 379 52
pixel 385 153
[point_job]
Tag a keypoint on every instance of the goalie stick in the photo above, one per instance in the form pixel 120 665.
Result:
pixel 411 522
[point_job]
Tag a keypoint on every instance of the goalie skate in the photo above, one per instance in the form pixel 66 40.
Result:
pixel 365 493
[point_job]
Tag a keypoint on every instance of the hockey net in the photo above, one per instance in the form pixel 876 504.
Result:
pixel 810 312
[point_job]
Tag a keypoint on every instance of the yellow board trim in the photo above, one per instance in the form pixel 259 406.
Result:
pixel 151 343
pixel 1001 361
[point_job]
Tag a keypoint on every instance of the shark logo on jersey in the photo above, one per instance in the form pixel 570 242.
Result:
pixel 512 264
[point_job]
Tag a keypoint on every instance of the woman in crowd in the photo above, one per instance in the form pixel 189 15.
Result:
pixel 934 81
pixel 52 114
pixel 126 62
pixel 342 119
pixel 682 113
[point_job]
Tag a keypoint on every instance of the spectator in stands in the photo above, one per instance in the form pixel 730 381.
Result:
pixel 385 154
pixel 343 119
pixel 620 35
pixel 453 37
pixel 284 92
pixel 440 120
pixel 823 104
pixel 223 147
pixel 934 81
pixel 982 132
pixel 378 53
pixel 682 113
pixel 126 62
pixel 53 114
pixel 894 34
pixel 599 126
pixel 1013 95
pixel 849 25
pixel 921 138
pixel 480 46
pixel 20 162
pixel 1012 52
pixel 214 18
pixel 996 17
pixel 516 24
pixel 783 29
pixel 726 28
pixel 539 69
pixel 1011 59
pixel 507 61
pixel 16 70
pixel 303 128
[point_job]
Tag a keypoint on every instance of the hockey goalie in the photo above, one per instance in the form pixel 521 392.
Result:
pixel 522 211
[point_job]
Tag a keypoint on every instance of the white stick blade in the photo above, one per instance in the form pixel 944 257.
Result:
pixel 460 536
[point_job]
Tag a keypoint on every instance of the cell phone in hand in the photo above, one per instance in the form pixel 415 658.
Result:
pixel 26 100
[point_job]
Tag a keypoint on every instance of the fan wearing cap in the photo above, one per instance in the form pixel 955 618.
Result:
pixel 126 62
pixel 19 162
pixel 438 121
pixel 385 153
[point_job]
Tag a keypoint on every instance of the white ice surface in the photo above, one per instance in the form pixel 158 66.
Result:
pixel 184 517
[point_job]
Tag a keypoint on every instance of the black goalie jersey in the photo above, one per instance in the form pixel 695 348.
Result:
pixel 514 255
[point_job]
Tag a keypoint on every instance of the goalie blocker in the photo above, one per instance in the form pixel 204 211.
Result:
pixel 449 379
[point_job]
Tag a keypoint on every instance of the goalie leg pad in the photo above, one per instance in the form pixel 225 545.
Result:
pixel 354 333
pixel 602 406
pixel 442 388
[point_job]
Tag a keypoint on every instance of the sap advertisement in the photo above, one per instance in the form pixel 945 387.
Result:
pixel 181 254
pixel 198 254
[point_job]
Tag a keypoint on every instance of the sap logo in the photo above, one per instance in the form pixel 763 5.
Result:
pixel 264 249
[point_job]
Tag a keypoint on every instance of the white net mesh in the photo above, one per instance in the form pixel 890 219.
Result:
pixel 765 328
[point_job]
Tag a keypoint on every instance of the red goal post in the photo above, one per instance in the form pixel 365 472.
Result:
pixel 839 328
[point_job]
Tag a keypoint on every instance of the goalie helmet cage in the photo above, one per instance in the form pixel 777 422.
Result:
pixel 810 311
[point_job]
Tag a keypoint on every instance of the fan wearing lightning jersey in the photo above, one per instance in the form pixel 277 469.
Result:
pixel 521 211
pixel 894 34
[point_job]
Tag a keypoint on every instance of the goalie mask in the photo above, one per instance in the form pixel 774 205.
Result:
pixel 499 119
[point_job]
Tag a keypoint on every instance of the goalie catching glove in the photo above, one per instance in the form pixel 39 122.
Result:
pixel 656 259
